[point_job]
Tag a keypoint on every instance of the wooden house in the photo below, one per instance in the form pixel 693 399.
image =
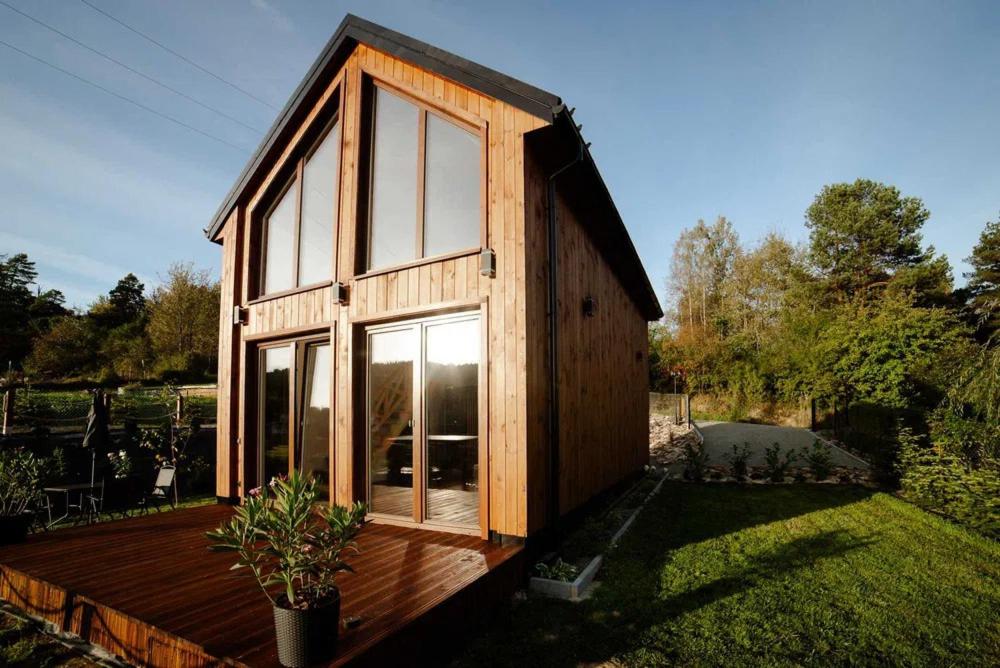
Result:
pixel 429 299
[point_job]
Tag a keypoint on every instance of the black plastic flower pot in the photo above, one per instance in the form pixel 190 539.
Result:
pixel 306 637
pixel 14 528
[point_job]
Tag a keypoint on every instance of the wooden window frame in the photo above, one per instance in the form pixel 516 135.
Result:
pixel 294 175
pixel 370 83
pixel 298 346
pixel 420 322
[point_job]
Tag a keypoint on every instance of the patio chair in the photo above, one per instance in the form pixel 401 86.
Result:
pixel 161 490
pixel 93 504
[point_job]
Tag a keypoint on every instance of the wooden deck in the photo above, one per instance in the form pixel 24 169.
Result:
pixel 148 590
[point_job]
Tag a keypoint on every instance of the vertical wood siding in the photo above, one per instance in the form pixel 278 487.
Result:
pixel 603 400
pixel 229 284
pixel 603 392
pixel 455 281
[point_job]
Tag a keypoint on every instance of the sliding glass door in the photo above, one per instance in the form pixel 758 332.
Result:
pixel 423 420
pixel 294 411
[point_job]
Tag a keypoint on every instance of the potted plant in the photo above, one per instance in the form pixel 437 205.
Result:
pixel 20 488
pixel 295 549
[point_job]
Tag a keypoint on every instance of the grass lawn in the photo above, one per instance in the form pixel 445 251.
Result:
pixel 771 575
pixel 22 643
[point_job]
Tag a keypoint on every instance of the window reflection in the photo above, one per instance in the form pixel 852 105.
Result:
pixel 451 396
pixel 278 242
pixel 319 210
pixel 391 358
pixel 274 411
pixel 313 447
pixel 394 181
pixel 451 183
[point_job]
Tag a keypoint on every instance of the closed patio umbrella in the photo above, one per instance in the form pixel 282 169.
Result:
pixel 96 436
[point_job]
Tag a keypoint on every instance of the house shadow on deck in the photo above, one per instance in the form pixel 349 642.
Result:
pixel 148 590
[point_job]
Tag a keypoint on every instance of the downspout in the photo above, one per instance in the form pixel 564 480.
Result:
pixel 553 327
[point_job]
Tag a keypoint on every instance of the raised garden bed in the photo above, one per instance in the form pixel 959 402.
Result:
pixel 570 573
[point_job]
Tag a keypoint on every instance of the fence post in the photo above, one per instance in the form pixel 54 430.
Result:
pixel 812 413
pixel 8 411
pixel 180 408
pixel 687 409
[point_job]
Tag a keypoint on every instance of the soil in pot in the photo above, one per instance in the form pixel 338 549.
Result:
pixel 307 636
pixel 14 528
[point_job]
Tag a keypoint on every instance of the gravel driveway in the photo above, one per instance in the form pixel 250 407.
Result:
pixel 720 437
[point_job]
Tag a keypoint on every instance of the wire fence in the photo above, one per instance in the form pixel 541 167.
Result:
pixel 27 409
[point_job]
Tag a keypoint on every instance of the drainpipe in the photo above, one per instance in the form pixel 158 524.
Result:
pixel 553 327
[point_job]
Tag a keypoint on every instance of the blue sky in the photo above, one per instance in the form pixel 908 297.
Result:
pixel 694 110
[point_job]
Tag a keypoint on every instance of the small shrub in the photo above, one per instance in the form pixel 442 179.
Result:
pixel 820 459
pixel 944 483
pixel 738 461
pixel 558 570
pixel 776 465
pixel 695 461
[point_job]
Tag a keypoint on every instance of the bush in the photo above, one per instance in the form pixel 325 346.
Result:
pixel 20 482
pixel 695 461
pixel 738 461
pixel 558 570
pixel 819 459
pixel 777 466
pixel 943 483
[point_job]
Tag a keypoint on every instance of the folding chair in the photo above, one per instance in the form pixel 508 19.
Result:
pixel 161 490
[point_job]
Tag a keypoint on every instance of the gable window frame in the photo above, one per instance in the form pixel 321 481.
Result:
pixel 291 174
pixel 371 82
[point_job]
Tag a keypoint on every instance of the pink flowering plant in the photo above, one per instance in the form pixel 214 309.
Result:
pixel 292 545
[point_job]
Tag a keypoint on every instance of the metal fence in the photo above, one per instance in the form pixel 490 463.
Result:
pixel 29 409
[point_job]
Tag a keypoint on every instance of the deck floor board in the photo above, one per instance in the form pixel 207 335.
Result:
pixel 150 587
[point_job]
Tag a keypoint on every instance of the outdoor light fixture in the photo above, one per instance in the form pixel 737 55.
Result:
pixel 589 306
pixel 240 315
pixel 488 262
pixel 339 293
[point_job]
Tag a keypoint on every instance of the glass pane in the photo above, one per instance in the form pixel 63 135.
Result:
pixel 452 404
pixel 274 412
pixel 313 449
pixel 394 182
pixel 390 421
pixel 278 240
pixel 451 188
pixel 319 210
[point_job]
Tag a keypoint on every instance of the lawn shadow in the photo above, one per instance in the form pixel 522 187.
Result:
pixel 723 508
pixel 631 598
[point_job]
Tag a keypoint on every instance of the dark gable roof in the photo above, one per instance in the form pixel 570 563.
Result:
pixel 354 30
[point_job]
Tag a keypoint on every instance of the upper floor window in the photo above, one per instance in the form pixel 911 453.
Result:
pixel 298 231
pixel 425 185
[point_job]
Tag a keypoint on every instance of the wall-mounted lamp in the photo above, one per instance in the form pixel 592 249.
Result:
pixel 339 293
pixel 488 262
pixel 240 315
pixel 589 307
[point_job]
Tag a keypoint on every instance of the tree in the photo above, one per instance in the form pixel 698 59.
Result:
pixel 703 258
pixel 862 233
pixel 879 351
pixel 17 273
pixel 44 309
pixel 184 322
pixel 127 299
pixel 67 350
pixel 984 281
